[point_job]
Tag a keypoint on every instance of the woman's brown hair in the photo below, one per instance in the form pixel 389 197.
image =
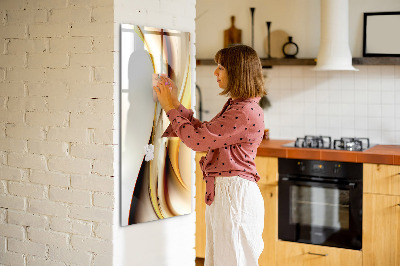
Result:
pixel 245 78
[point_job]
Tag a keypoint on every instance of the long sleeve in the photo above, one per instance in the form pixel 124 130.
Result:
pixel 222 131
pixel 187 113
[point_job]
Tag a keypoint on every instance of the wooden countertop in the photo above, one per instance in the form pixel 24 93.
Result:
pixel 379 154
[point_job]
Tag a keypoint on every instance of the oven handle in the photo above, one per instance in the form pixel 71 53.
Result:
pixel 297 181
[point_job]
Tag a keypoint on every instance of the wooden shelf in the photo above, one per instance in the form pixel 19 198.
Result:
pixel 312 61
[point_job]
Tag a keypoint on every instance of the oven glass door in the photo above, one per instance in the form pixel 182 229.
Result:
pixel 322 213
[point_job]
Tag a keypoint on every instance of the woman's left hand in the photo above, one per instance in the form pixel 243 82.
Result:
pixel 163 91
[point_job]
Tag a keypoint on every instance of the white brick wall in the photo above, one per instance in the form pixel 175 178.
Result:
pixel 56 127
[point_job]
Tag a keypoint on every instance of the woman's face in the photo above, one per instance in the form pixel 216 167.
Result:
pixel 222 76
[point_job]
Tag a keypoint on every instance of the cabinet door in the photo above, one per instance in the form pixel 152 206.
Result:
pixel 270 233
pixel 200 209
pixel 267 168
pixel 381 230
pixel 298 254
pixel 381 179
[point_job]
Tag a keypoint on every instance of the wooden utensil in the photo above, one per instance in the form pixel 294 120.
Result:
pixel 232 35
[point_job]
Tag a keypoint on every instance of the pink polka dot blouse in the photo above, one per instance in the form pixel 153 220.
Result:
pixel 231 139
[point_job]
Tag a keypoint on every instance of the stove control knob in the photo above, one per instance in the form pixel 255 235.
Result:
pixel 302 167
pixel 336 169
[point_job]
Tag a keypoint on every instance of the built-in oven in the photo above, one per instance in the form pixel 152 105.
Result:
pixel 320 202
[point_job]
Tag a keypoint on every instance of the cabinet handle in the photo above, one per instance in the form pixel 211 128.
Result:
pixel 318 254
pixel 398 204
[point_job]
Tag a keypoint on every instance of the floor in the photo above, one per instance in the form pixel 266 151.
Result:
pixel 199 262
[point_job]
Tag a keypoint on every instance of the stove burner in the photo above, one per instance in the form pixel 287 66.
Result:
pixel 324 142
pixel 308 141
pixel 351 144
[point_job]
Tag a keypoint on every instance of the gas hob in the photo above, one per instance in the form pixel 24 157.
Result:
pixel 325 142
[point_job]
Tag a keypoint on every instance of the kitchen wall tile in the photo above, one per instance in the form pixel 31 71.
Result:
pixel 325 131
pixel 361 97
pixel 388 124
pixel 361 123
pixel 297 72
pixel 387 72
pixel 347 109
pixel 397 90
pixel 308 72
pixel 397 122
pixel 347 122
pixel 286 120
pixel 323 102
pixel 335 122
pixel 347 76
pixel 374 123
pixel 322 109
pixel 322 121
pixel 389 136
pixel 334 77
pixel 348 96
pixel 322 95
pixel 334 109
pixel 298 108
pixel 397 133
pixel 348 132
pixel 397 72
pixel 310 109
pixel 375 136
pixel 374 97
pixel 374 110
pixel 284 83
pixel 360 133
pixel 285 72
pixel 388 84
pixel 310 95
pixel 374 70
pixel 388 110
pixel 297 83
pixel 397 110
pixel 361 110
pixel 335 95
pixel 322 74
pixel 388 97
pixel 374 84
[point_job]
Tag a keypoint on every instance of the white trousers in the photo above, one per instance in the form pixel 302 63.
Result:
pixel 234 223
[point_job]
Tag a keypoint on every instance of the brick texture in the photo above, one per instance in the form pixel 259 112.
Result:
pixel 56 119
pixel 58 69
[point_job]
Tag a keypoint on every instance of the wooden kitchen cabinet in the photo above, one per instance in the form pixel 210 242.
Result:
pixel 381 215
pixel 268 169
pixel 381 230
pixel 381 179
pixel 270 233
pixel 299 254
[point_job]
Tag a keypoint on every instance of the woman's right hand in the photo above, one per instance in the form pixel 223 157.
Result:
pixel 174 90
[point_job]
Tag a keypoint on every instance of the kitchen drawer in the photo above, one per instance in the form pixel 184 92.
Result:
pixel 381 179
pixel 298 254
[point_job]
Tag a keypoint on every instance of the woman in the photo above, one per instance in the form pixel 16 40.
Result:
pixel 235 207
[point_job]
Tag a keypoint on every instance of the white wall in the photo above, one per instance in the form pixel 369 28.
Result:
pixel 299 18
pixel 170 241
pixel 56 120
pixel 338 104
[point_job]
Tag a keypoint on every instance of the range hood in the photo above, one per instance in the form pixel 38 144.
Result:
pixel 334 51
